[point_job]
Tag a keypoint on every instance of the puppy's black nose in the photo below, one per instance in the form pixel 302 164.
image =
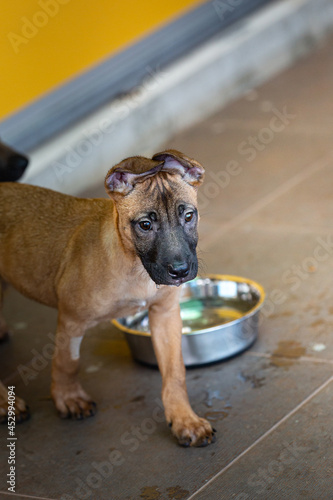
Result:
pixel 178 270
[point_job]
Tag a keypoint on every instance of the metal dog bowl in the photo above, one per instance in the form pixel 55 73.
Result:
pixel 220 319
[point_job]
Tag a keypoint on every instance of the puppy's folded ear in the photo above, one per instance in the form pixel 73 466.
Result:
pixel 177 163
pixel 122 178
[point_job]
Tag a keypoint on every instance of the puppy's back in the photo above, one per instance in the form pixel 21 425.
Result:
pixel 36 228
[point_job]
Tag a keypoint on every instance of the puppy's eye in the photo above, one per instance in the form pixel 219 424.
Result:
pixel 189 216
pixel 145 225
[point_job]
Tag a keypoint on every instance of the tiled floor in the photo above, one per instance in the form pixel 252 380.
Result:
pixel 268 217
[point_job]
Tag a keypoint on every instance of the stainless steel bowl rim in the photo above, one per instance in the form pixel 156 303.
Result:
pixel 212 277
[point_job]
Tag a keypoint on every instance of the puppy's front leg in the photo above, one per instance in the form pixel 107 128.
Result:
pixel 69 397
pixel 166 329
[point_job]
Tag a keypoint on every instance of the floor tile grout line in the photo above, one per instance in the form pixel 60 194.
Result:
pixel 269 198
pixel 307 359
pixel 265 435
pixel 17 495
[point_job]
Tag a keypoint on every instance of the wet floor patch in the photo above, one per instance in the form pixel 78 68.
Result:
pixel 211 395
pixel 151 493
pixel 214 414
pixel 177 493
pixel 287 352
pixel 171 493
pixel 137 399
pixel 256 382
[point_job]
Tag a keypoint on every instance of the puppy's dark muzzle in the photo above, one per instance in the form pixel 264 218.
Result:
pixel 178 270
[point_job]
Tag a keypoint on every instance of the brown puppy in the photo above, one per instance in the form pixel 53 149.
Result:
pixel 96 259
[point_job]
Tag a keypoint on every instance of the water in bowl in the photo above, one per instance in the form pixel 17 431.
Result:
pixel 208 312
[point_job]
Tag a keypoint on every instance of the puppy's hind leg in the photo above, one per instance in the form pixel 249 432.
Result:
pixel 67 393
pixel 19 408
pixel 4 335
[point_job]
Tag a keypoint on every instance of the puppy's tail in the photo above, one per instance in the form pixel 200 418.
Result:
pixel 12 164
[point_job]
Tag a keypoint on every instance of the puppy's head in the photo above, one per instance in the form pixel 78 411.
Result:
pixel 156 213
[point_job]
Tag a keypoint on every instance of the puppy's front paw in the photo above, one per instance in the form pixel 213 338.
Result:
pixel 73 402
pixel 22 412
pixel 192 430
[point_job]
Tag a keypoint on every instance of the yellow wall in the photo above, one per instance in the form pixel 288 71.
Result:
pixel 44 42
